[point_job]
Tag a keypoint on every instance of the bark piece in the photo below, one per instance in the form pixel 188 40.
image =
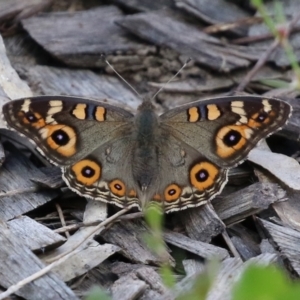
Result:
pixel 82 83
pixel 204 250
pixel 11 86
pixel 18 262
pixel 144 5
pixel 202 223
pixel 163 28
pixel 15 175
pixel 226 12
pixel 287 241
pixel 128 288
pixel 79 39
pixel 130 238
pixel 237 206
pixel 34 235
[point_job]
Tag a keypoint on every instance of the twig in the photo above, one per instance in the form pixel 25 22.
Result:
pixel 231 25
pixel 99 226
pixel 20 191
pixel 230 244
pixel 12 289
pixel 259 64
pixel 58 259
pixel 265 56
pixel 86 224
pixel 62 218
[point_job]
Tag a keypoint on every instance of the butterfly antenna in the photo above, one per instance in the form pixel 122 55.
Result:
pixel 172 78
pixel 122 77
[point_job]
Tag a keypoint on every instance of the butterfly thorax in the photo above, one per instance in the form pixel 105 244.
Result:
pixel 145 154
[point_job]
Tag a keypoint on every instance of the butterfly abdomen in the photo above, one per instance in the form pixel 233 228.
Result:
pixel 145 154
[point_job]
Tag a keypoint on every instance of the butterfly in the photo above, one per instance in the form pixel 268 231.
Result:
pixel 179 159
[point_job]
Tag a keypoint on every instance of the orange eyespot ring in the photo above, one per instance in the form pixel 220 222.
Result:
pixel 260 118
pixel 203 175
pixel 61 138
pixel 32 118
pixel 172 192
pixel 231 138
pixel 117 187
pixel 86 171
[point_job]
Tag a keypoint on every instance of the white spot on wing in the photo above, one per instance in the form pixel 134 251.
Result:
pixel 55 107
pixel 25 105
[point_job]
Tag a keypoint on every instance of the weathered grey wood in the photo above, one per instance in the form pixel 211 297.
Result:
pixel 283 167
pixel 128 288
pixel 11 86
pixel 84 260
pixel 82 83
pixel 246 241
pixel 153 279
pixel 164 29
pixel 155 287
pixel 18 262
pixel 202 223
pixel 13 8
pixel 52 177
pixel 289 211
pixel 130 238
pixel 34 235
pixel 121 268
pixel 15 175
pixel 286 240
pixel 79 38
pixel 204 250
pixel 247 201
pixel 145 5
pixel 203 84
pixel 228 273
pixel 226 11
pixel 100 276
pixel 193 266
pixel 2 154
pixel 89 253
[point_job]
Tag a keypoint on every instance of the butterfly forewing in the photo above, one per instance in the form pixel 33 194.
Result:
pixel 66 129
pixel 226 129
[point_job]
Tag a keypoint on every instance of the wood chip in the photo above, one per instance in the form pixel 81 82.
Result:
pixel 128 288
pixel 77 39
pixel 34 235
pixel 201 223
pixel 11 86
pixel 283 167
pixel 237 206
pixel 226 12
pixel 14 253
pixel 15 176
pixel 286 240
pixel 82 83
pixel 130 238
pixel 204 250
pixel 144 5
pixel 164 29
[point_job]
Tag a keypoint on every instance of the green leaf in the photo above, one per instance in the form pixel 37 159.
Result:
pixel 167 276
pixel 97 293
pixel 265 283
